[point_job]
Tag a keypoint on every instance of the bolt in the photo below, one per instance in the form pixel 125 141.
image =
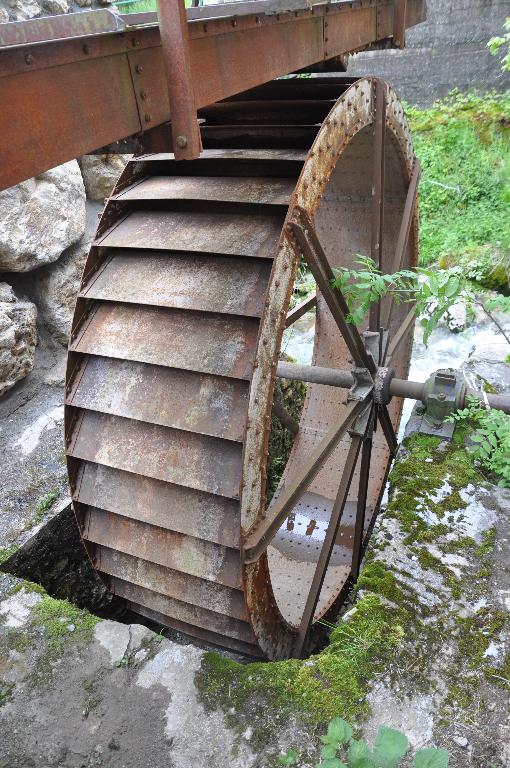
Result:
pixel 181 141
pixel 138 69
pixel 29 59
pixel 136 43
pixel 86 49
pixel 147 118
pixel 441 396
pixel 143 95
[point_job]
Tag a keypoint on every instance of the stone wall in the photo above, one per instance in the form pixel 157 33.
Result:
pixel 448 51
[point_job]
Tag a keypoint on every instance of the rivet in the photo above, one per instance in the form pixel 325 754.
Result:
pixel 138 69
pixel 135 42
pixel 181 141
pixel 147 118
pixel 86 49
pixel 29 59
pixel 143 95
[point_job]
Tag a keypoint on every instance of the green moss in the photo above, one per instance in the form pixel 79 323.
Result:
pixel 291 394
pixel 27 586
pixel 333 682
pixel 499 676
pixel 6 692
pixel 44 504
pixel 423 459
pixel 7 552
pixel 391 627
pixel 486 548
pixel 56 616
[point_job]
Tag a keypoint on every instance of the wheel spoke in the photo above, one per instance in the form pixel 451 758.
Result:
pixel 378 191
pixel 307 240
pixel 359 528
pixel 403 235
pixel 328 544
pixel 300 309
pixel 258 540
pixel 285 418
pixel 387 428
pixel 402 334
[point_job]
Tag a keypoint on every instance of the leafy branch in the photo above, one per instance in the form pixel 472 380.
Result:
pixel 496 44
pixel 433 292
pixel 341 750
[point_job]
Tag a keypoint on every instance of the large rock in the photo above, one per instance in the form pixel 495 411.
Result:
pixel 41 217
pixel 20 10
pixel 54 289
pixel 100 174
pixel 18 337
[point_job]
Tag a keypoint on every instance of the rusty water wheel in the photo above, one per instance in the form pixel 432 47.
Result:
pixel 174 350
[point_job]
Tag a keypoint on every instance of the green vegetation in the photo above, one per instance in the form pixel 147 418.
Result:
pixel 491 438
pixel 7 552
pixel 341 750
pixel 432 292
pixel 57 616
pixel 463 145
pixel 291 394
pixel 501 44
pixel 356 651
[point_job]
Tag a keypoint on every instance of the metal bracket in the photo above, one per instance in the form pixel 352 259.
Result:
pixel 443 393
pixel 363 384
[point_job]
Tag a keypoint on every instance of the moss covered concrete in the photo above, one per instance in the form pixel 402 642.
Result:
pixel 421 619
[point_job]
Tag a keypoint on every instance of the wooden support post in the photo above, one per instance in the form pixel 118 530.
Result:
pixel 399 23
pixel 173 26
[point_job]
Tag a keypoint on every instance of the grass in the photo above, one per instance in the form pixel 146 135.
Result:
pixel 463 144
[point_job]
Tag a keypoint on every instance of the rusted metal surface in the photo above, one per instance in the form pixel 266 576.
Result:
pixel 226 285
pixel 174 351
pixel 251 235
pixel 175 45
pixel 159 503
pixel 84 24
pixel 195 461
pixel 235 190
pixel 208 405
pixel 327 547
pixel 207 344
pixel 188 554
pixel 71 75
pixel 180 610
pixel 176 584
pixel 399 23
pixel 260 538
pixel 301 309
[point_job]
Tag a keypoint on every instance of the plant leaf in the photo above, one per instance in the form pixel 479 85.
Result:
pixel 289 758
pixel 359 755
pixel 358 750
pixel 390 747
pixel 431 758
pixel 339 732
pixel 331 762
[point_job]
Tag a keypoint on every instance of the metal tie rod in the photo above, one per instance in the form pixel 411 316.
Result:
pixel 390 385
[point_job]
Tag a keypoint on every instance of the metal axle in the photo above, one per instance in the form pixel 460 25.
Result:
pixel 388 385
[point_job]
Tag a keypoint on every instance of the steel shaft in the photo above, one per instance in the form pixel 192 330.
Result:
pixel 414 390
